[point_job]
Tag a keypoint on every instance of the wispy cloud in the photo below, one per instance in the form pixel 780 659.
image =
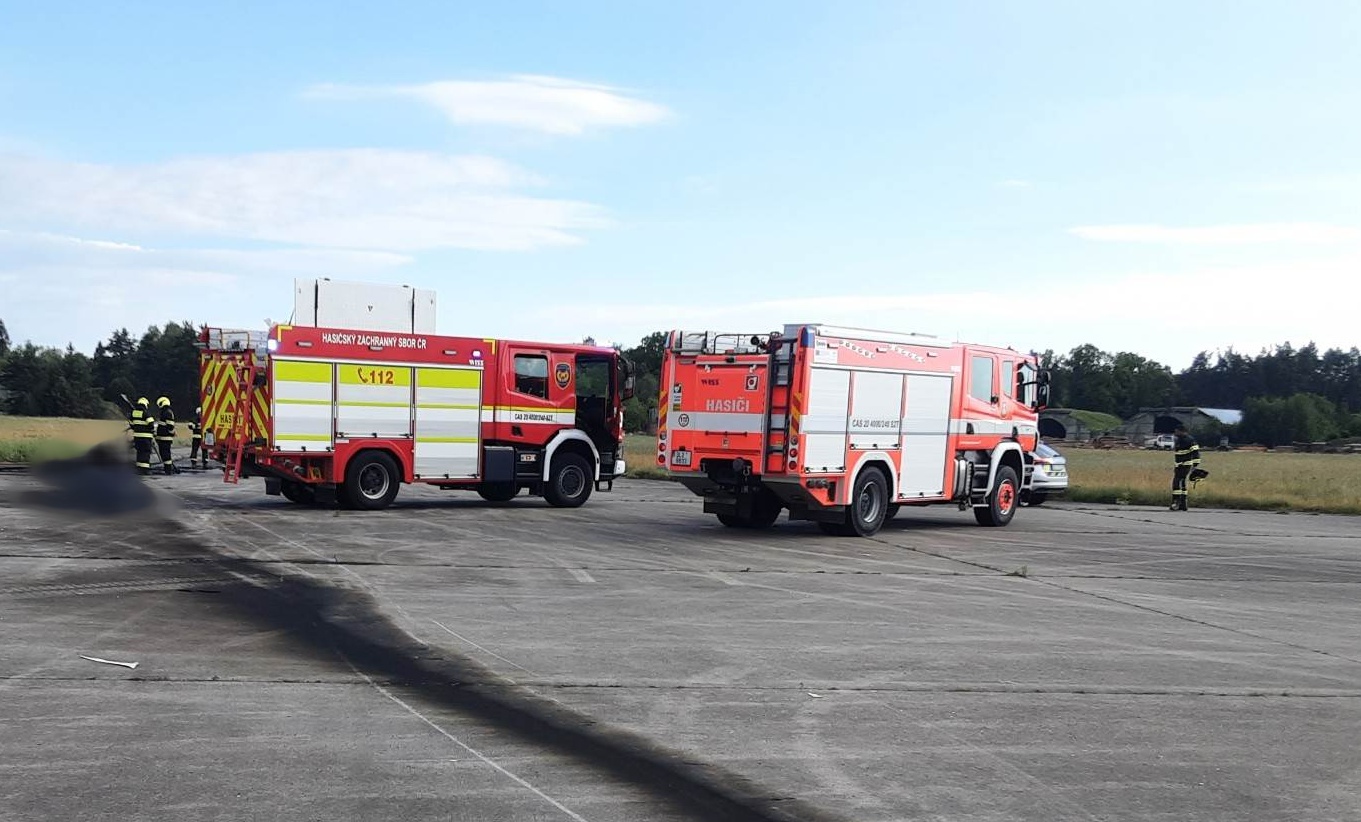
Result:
pixel 364 198
pixel 78 289
pixel 1107 312
pixel 550 105
pixel 34 250
pixel 1246 234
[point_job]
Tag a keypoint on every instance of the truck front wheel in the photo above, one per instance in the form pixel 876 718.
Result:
pixel 371 481
pixel 569 482
pixel 1002 502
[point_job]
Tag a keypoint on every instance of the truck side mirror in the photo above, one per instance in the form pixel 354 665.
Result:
pixel 628 387
pixel 1042 398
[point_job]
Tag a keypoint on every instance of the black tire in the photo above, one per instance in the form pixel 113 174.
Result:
pixel 869 503
pixel 765 510
pixel 893 509
pixel 1002 502
pixel 299 492
pixel 1036 499
pixel 570 482
pixel 371 481
pixel 498 491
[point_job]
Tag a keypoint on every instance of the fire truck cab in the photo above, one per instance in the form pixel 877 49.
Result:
pixel 334 413
pixel 844 426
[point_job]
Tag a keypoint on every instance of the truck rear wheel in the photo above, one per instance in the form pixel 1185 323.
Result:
pixel 869 503
pixel 868 509
pixel 498 491
pixel 765 509
pixel 371 481
pixel 298 492
pixel 569 481
pixel 1002 501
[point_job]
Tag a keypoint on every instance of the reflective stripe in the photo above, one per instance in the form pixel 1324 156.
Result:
pixel 961 426
pixel 718 421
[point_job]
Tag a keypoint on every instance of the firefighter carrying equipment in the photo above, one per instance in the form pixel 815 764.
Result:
pixel 1186 458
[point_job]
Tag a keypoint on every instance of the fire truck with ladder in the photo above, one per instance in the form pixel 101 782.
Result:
pixel 844 426
pixel 330 414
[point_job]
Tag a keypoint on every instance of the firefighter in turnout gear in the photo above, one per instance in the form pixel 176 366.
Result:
pixel 143 434
pixel 165 433
pixel 196 438
pixel 1186 452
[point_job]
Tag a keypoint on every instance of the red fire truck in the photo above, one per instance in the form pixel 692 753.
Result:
pixel 843 426
pixel 327 413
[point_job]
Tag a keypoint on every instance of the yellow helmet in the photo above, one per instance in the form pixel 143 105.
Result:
pixel 142 401
pixel 163 402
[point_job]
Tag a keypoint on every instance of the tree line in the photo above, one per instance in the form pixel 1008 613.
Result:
pixel 39 381
pixel 1286 394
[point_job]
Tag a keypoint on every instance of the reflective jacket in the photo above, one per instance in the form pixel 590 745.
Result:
pixel 165 428
pixel 142 424
pixel 1187 453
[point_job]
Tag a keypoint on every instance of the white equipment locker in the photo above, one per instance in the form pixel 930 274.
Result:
pixel 326 303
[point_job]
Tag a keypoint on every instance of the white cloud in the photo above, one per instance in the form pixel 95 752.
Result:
pixel 79 290
pixel 1246 307
pixel 550 105
pixel 362 198
pixel 32 250
pixel 1248 234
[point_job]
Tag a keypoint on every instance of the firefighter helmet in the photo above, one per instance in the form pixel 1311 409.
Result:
pixel 162 402
pixel 142 401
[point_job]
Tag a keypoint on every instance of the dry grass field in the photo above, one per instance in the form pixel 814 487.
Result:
pixel 1254 480
pixel 1328 483
pixel 34 439
pixel 1325 483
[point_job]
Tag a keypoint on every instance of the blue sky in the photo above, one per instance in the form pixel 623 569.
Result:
pixel 1036 175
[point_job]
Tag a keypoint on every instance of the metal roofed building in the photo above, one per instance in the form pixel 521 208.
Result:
pixel 1151 421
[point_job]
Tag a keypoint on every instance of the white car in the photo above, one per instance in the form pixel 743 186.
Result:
pixel 1050 477
pixel 1162 442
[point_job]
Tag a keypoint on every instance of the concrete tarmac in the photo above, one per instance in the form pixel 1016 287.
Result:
pixel 634 660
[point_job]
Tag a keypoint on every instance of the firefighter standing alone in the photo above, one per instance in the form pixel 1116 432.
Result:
pixel 1186 452
pixel 143 427
pixel 196 438
pixel 165 433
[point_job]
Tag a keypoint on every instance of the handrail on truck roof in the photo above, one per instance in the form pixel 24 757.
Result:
pixel 718 342
pixel 231 339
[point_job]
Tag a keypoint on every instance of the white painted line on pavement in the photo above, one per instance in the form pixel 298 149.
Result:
pixel 452 632
pixel 571 814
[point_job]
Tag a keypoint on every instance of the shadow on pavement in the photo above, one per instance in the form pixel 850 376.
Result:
pixel 340 628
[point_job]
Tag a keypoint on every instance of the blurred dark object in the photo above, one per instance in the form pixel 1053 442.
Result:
pixel 100 482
